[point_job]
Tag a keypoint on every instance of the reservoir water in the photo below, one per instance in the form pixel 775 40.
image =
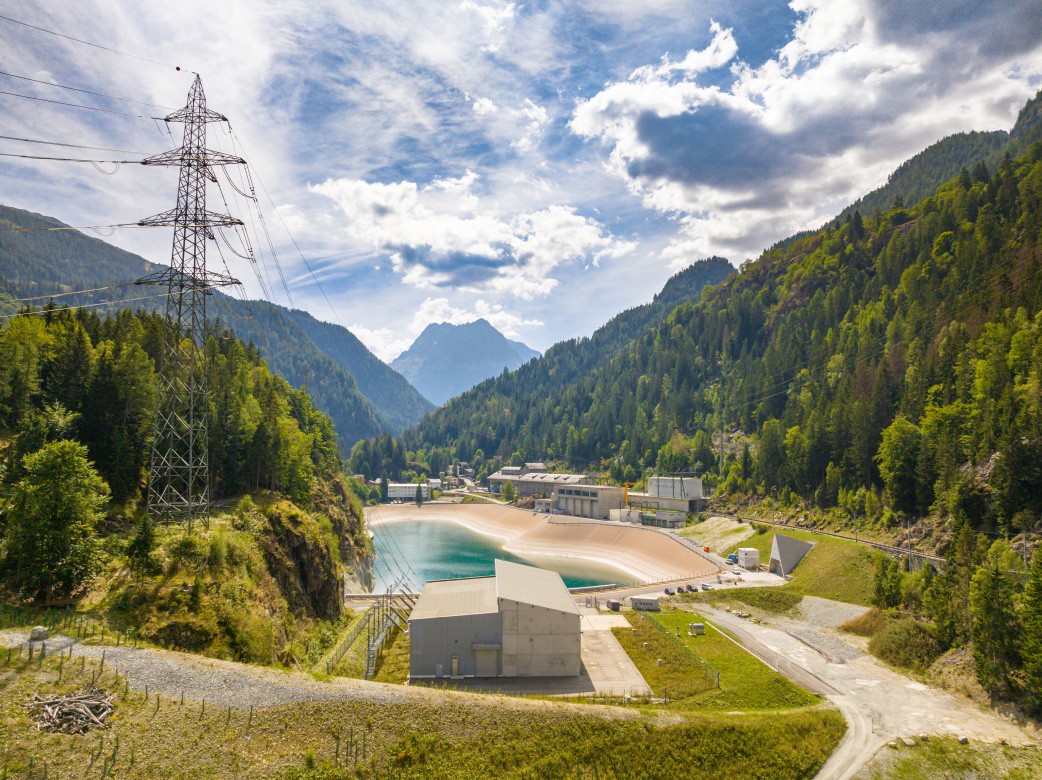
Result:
pixel 443 550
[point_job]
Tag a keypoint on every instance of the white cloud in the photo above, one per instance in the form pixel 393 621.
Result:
pixel 785 145
pixel 445 235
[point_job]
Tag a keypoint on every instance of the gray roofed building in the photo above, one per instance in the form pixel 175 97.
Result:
pixel 522 622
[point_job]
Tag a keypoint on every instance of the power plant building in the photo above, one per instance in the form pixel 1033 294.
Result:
pixel 522 622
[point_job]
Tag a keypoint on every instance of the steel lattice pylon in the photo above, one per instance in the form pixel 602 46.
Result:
pixel 179 484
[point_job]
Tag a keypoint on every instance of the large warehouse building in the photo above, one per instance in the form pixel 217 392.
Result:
pixel 522 622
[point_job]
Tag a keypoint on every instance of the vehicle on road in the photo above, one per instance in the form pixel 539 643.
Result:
pixel 706 586
pixel 736 570
pixel 669 591
pixel 691 588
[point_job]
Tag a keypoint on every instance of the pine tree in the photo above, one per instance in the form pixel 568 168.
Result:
pixel 993 608
pixel 1031 639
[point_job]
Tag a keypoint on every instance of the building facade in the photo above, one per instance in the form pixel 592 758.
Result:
pixel 522 622
pixel 585 500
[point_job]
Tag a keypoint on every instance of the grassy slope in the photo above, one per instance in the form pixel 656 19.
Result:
pixel 946 758
pixel 457 738
pixel 213 592
pixel 834 569
pixel 746 683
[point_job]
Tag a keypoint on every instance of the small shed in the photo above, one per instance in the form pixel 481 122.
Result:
pixel 786 553
pixel 645 603
pixel 749 558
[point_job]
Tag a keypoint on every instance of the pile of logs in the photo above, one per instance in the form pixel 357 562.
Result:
pixel 73 713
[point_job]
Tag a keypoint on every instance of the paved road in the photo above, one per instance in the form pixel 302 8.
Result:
pixel 879 704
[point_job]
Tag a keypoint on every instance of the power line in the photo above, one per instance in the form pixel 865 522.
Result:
pixel 71 146
pixel 42 312
pixel 85 91
pixel 68 159
pixel 93 227
pixel 77 105
pixel 65 294
pixel 89 43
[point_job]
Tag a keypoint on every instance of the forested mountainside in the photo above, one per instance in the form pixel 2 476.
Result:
pixel 77 408
pixel 446 359
pixel 901 350
pixel 920 176
pixel 526 394
pixel 398 404
pixel 38 262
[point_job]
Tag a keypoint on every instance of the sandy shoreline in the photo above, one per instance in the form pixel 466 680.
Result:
pixel 643 553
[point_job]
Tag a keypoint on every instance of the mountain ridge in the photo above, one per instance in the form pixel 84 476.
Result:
pixel 446 360
pixel 37 262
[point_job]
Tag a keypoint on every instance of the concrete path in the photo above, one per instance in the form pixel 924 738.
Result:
pixel 879 704
pixel 609 668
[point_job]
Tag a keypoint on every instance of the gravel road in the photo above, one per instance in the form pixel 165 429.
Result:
pixel 240 686
pixel 879 704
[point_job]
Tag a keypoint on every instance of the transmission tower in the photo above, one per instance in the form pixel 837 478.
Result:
pixel 179 483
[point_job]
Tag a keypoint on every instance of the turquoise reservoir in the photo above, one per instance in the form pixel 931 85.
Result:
pixel 436 550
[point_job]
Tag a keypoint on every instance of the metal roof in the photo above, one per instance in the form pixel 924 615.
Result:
pixel 529 585
pixel 479 595
pixel 554 479
pixel 454 598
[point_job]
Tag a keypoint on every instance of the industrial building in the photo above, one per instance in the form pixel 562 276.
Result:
pixel 514 474
pixel 521 622
pixel 582 500
pixel 673 494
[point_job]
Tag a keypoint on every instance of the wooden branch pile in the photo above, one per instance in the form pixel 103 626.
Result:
pixel 73 713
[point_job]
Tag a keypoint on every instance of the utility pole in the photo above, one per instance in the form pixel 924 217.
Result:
pixel 179 478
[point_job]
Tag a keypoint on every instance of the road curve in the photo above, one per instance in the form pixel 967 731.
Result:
pixel 878 703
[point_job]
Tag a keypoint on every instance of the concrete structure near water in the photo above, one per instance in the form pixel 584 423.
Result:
pixel 522 622
pixel 595 501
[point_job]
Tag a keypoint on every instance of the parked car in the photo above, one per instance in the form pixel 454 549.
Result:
pixel 691 588
pixel 706 586
pixel 736 570
pixel 670 592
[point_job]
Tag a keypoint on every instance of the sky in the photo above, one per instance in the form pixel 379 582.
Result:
pixel 543 165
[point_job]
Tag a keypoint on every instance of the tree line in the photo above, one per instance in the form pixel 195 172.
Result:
pixel 78 398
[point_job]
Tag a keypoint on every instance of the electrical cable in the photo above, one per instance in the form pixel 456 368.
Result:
pixel 88 43
pixel 68 159
pixel 71 146
pixel 86 91
pixel 66 294
pixel 77 105
pixel 42 312
pixel 296 246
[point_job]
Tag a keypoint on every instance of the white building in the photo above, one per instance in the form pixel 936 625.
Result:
pixel 749 558
pixel 583 500
pixel 521 622
pixel 673 494
pixel 406 491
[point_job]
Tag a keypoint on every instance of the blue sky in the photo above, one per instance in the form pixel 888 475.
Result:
pixel 543 165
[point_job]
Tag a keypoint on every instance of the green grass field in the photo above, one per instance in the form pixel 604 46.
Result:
pixel 746 683
pixel 460 736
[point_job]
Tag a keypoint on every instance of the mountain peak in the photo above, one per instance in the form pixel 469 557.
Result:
pixel 446 359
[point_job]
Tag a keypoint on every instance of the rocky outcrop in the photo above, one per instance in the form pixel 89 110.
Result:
pixel 303 558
